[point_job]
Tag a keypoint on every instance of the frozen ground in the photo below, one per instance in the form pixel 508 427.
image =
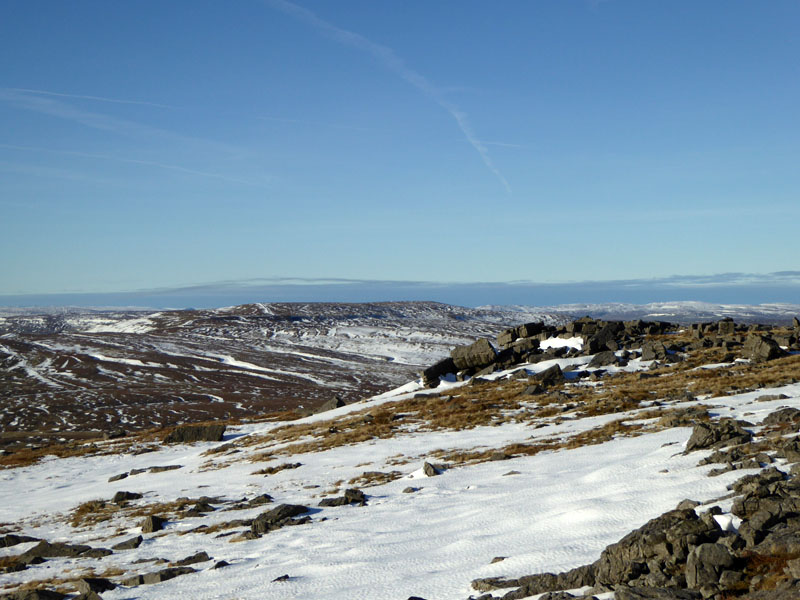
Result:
pixel 547 512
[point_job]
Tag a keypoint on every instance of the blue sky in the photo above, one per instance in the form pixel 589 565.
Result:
pixel 149 145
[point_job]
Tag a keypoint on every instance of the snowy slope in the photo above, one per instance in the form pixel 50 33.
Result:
pixel 547 512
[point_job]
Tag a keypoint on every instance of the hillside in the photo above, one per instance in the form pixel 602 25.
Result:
pixel 502 463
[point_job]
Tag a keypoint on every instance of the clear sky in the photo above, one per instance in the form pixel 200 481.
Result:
pixel 155 144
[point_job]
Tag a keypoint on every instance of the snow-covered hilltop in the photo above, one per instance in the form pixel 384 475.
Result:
pixel 534 456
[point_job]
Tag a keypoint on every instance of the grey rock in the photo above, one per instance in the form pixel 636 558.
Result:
pixel 475 356
pixel 706 563
pixel 431 375
pixel 431 470
pixel 648 593
pixel 125 496
pixel 351 496
pixel 724 432
pixel 603 359
pixel 276 518
pixel 335 402
pixel 781 416
pixel 760 348
pixel 45 549
pixel 128 544
pixel 193 559
pixel 184 434
pixel 163 468
pixel 653 351
pixel 95 584
pixel 117 477
pixel 12 539
pixel 157 576
pixel 152 524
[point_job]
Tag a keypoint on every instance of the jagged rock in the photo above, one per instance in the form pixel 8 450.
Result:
pixel 550 376
pixel 351 496
pixel 724 432
pixel 653 351
pixel 45 549
pixel 507 337
pixel 782 415
pixel 760 348
pixel 193 559
pixel 706 563
pixel 603 359
pixel 604 338
pixel 530 585
pixel 125 496
pixel 184 434
pixel 431 375
pixel 128 544
pixel 431 470
pixel 475 356
pixel 157 576
pixel 276 518
pixel 152 524
pixel 669 537
pixel 649 593
pixel 95 584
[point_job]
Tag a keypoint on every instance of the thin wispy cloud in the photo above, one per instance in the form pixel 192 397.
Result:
pixel 389 60
pixel 99 121
pixel 83 97
pixel 133 161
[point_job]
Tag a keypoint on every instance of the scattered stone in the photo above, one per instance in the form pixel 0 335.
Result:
pixel 45 549
pixel 724 432
pixel 410 490
pixel 157 576
pixel 185 434
pixel 221 564
pixel 193 559
pixel 351 496
pixel 37 594
pixel 152 524
pixel 550 376
pixel 276 518
pixel 771 397
pixel 129 544
pixel 121 497
pixel 653 351
pixel 498 559
pixel 164 468
pixel 95 584
pixel 281 578
pixel 431 470
pixel 117 477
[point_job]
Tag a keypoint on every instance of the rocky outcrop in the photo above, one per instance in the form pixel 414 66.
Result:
pixel 724 432
pixel 278 517
pixel 351 496
pixel 759 348
pixel 475 356
pixel 186 434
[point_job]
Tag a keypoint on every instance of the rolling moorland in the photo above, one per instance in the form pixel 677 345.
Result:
pixel 615 459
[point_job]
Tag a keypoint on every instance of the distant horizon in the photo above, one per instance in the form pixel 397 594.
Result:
pixel 728 288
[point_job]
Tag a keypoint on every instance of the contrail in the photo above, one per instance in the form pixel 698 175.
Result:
pixel 133 161
pixel 82 97
pixel 387 57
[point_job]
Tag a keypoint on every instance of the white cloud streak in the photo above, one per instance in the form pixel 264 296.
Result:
pixel 133 161
pixel 389 59
pixel 82 97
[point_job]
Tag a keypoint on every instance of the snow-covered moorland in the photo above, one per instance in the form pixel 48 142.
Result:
pixel 526 468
